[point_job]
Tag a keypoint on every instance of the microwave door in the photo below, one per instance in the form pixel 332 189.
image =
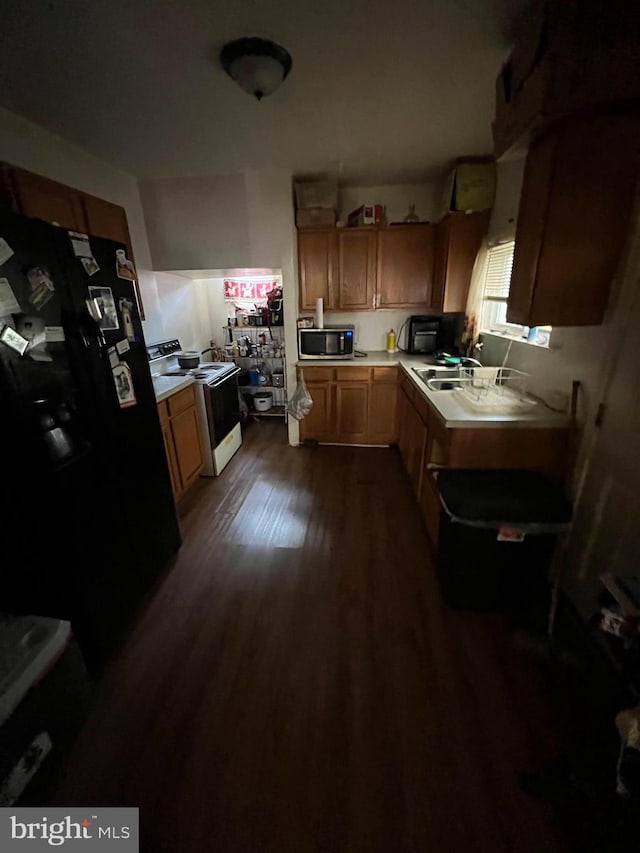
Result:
pixel 334 343
pixel 315 343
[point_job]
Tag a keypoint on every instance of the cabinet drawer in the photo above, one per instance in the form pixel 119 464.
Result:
pixel 352 374
pixel 163 413
pixel 317 374
pixel 181 400
pixel 385 374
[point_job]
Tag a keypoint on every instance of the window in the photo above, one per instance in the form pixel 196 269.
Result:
pixel 495 293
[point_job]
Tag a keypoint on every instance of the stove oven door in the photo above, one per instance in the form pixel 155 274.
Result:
pixel 222 406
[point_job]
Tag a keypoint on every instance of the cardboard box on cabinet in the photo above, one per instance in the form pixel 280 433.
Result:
pixel 470 187
pixel 315 217
pixel 316 194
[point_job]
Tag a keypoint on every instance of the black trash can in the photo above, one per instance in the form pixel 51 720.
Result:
pixel 498 532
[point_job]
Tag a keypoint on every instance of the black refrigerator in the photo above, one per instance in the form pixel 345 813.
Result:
pixel 87 517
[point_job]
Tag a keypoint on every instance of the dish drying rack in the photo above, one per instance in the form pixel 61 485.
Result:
pixel 494 390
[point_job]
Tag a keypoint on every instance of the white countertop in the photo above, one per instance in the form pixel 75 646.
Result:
pixel 448 405
pixel 165 386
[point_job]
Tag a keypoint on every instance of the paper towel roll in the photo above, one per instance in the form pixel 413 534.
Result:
pixel 319 314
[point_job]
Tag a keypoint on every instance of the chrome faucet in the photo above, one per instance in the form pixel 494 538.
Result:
pixel 466 361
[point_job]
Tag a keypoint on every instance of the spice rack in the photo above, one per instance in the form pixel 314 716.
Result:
pixel 271 353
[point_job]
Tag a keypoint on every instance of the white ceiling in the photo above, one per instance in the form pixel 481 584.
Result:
pixel 380 91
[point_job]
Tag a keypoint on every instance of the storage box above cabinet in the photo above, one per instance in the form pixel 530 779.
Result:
pixel 577 196
pixel 572 55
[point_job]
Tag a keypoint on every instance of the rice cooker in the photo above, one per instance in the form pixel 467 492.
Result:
pixel 263 401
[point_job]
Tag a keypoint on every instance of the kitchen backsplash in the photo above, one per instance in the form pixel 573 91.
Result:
pixel 371 326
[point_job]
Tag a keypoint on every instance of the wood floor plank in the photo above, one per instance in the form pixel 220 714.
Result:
pixel 294 682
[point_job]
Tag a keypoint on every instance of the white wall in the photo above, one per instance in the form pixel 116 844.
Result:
pixel 196 223
pixel 25 144
pixel 227 221
pixel 397 197
pixel 176 307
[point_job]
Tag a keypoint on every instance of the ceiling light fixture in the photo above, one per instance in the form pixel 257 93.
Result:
pixel 257 65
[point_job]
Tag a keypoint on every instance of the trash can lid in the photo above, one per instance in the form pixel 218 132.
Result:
pixel 493 498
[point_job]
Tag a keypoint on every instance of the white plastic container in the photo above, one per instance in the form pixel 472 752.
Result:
pixel 263 401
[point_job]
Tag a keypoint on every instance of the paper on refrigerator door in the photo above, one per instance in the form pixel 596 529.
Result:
pixel 8 302
pixel 5 251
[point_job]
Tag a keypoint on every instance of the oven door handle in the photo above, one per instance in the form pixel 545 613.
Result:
pixel 225 377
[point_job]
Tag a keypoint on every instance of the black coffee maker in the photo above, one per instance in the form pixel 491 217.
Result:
pixel 432 333
pixel 275 306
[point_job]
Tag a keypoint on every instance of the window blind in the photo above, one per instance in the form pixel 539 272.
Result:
pixel 498 276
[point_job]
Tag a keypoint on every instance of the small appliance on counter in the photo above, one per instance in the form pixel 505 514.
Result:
pixel 335 342
pixel 431 333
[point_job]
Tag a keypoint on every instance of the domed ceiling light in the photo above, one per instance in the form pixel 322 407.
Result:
pixel 257 65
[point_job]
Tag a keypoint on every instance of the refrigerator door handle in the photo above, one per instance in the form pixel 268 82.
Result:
pixel 94 311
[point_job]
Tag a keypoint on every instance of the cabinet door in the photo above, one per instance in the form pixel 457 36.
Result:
pixel 404 433
pixel 356 269
pixel 105 219
pixel 383 400
pixel 42 198
pixel 532 214
pixel 462 240
pixel 172 464
pixel 575 207
pixel 316 263
pixel 417 444
pixel 430 505
pixel 319 423
pixel 352 412
pixel 405 266
pixel 186 439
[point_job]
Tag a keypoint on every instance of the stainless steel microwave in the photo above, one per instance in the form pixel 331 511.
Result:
pixel 330 342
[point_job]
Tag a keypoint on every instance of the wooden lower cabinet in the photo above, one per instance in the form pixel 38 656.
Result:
pixel 181 436
pixel 383 417
pixel 172 462
pixel 351 405
pixel 352 412
pixel 430 504
pixel 426 445
pixel 186 439
pixel 318 424
pixel 417 442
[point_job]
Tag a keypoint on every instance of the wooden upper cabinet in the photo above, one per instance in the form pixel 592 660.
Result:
pixel 405 266
pixel 105 219
pixel 42 198
pixel 458 239
pixel 316 265
pixel 575 207
pixel 356 269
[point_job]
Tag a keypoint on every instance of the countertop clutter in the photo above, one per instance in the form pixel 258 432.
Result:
pixel 448 404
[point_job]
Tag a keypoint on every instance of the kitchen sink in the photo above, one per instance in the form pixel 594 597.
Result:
pixel 439 378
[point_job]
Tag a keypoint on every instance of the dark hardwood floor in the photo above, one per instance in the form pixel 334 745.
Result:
pixel 295 683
